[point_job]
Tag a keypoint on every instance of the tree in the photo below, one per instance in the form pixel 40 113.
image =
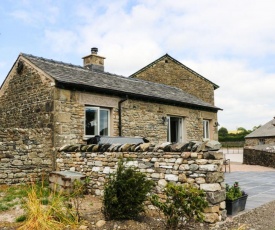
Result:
pixel 241 130
pixel 223 132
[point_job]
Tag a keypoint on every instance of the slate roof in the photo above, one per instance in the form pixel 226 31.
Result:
pixel 179 63
pixel 267 130
pixel 78 77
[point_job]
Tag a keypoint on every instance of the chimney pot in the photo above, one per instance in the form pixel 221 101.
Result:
pixel 94 50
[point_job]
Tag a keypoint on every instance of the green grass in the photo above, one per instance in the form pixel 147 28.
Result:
pixel 15 194
pixel 11 196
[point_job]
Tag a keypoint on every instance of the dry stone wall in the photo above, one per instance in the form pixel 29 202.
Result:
pixel 264 157
pixel 203 169
pixel 24 154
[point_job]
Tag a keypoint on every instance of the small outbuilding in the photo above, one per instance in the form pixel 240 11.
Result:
pixel 262 136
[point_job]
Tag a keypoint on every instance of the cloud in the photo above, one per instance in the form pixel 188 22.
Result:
pixel 61 40
pixel 232 43
pixel 35 13
pixel 245 95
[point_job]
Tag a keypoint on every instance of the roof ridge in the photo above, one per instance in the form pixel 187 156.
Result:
pixel 51 60
pixel 71 65
pixel 99 72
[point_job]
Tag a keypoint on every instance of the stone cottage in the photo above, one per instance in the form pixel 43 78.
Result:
pixel 264 135
pixel 164 101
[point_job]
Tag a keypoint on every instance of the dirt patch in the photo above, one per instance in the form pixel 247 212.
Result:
pixel 92 216
pixel 261 218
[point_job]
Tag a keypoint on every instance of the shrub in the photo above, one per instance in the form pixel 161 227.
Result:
pixel 234 192
pixel 76 198
pixel 183 204
pixel 125 193
pixel 21 218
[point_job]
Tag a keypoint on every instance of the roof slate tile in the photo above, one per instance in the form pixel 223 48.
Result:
pixel 76 75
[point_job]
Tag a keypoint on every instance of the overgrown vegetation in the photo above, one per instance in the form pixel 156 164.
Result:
pixel 13 195
pixel 125 193
pixel 239 135
pixel 182 205
pixel 55 215
pixel 76 198
pixel 44 209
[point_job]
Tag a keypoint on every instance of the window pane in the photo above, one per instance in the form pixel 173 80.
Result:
pixel 91 125
pixel 104 116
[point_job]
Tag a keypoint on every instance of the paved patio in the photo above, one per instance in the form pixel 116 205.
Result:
pixel 257 181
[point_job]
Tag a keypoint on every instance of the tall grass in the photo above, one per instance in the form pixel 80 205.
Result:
pixel 55 215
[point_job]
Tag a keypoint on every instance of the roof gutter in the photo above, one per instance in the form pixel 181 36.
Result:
pixel 82 87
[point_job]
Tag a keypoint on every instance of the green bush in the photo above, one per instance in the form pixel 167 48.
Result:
pixel 234 192
pixel 183 204
pixel 125 193
pixel 21 218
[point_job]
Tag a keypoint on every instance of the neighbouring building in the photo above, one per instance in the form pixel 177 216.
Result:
pixel 264 135
pixel 164 101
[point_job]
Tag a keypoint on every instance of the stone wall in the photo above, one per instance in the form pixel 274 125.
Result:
pixel 26 99
pixel 24 154
pixel 253 156
pixel 204 170
pixel 168 72
pixel 256 141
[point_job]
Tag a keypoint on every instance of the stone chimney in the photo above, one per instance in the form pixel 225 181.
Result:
pixel 93 61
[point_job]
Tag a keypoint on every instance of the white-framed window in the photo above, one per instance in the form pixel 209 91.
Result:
pixel 206 129
pixel 174 129
pixel 97 121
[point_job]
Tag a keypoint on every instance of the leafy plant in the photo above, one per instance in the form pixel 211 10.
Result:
pixel 234 192
pixel 183 204
pixel 125 193
pixel 21 218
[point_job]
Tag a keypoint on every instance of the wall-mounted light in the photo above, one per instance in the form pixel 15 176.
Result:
pixel 164 120
pixel 216 124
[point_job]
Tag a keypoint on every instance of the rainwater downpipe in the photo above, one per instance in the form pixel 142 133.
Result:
pixel 119 115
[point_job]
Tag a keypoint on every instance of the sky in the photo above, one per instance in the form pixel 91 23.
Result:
pixel 229 42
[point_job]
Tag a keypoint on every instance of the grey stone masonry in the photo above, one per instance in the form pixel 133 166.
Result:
pixel 201 169
pixel 24 154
